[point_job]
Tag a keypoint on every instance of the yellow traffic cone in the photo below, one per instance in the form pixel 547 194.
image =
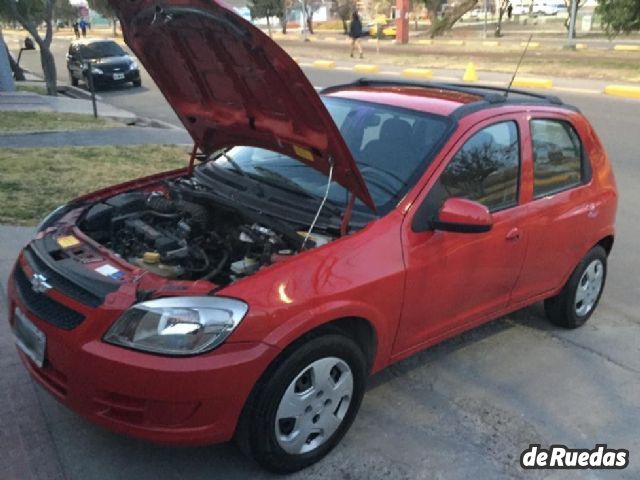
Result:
pixel 470 74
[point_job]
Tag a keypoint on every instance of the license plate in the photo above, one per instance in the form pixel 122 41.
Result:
pixel 29 338
pixel 118 76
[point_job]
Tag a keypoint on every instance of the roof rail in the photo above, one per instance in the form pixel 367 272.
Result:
pixel 488 93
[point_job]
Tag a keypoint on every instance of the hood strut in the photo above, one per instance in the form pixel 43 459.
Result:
pixel 192 159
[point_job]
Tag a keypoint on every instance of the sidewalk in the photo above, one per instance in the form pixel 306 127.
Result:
pixel 126 135
pixel 25 440
pixel 32 102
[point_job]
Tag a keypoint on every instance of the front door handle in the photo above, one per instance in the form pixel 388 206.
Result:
pixel 514 234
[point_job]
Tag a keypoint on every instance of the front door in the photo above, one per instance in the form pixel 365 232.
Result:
pixel 455 280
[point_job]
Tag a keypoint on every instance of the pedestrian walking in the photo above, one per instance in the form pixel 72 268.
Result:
pixel 83 27
pixel 76 29
pixel 509 11
pixel 355 32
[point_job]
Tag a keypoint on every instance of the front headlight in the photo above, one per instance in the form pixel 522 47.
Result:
pixel 96 70
pixel 133 65
pixel 177 326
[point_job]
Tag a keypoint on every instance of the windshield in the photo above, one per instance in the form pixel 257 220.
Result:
pixel 391 146
pixel 101 50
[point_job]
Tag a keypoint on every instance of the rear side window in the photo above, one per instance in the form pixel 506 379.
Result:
pixel 486 168
pixel 557 157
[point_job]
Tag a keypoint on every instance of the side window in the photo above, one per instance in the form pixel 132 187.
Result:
pixel 485 169
pixel 557 156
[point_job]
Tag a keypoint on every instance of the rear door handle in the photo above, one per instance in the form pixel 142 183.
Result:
pixel 514 234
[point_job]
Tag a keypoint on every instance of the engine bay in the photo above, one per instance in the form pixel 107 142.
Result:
pixel 177 234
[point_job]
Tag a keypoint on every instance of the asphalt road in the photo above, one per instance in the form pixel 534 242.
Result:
pixel 464 409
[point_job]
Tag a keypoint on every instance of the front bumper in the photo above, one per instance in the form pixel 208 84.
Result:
pixel 188 401
pixel 108 79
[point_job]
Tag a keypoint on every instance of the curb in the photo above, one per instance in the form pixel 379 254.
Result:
pixel 532 82
pixel 76 92
pixel 366 68
pixel 627 48
pixel 327 64
pixel 416 73
pixel 622 91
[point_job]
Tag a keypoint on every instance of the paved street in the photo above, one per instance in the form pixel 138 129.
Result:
pixel 464 409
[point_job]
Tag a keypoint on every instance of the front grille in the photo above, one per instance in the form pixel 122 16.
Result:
pixel 59 282
pixel 44 307
pixel 118 68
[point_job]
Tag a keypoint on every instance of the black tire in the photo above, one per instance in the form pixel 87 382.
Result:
pixel 73 80
pixel 137 83
pixel 562 309
pixel 256 433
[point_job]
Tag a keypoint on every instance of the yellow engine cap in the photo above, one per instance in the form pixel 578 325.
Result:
pixel 151 257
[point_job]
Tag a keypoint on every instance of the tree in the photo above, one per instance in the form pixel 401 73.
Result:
pixel 344 9
pixel 568 3
pixel 64 12
pixel 502 8
pixel 449 19
pixel 266 9
pixel 30 14
pixel 104 8
pixel 309 7
pixel 433 6
pixel 284 16
pixel 619 16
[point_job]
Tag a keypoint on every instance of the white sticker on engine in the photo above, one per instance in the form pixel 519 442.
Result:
pixel 109 271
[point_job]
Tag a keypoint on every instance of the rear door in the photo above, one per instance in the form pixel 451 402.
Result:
pixel 454 279
pixel 563 207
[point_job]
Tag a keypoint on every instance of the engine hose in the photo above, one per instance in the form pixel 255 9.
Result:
pixel 203 255
pixel 219 267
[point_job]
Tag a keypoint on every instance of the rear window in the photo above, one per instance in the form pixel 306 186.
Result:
pixel 557 156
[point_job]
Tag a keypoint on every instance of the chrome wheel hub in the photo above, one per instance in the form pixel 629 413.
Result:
pixel 589 288
pixel 314 405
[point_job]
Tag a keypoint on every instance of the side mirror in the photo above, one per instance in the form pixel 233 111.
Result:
pixel 28 44
pixel 463 216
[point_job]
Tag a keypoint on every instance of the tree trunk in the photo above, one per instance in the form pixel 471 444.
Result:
pixel 344 26
pixel 18 73
pixel 268 25
pixel 498 32
pixel 451 17
pixel 6 78
pixel 114 22
pixel 310 23
pixel 48 69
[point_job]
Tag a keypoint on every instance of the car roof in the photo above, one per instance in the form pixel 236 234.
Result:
pixel 446 99
pixel 88 41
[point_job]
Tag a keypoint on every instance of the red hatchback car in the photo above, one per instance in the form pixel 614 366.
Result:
pixel 312 240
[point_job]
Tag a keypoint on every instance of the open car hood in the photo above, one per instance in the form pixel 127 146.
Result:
pixel 230 84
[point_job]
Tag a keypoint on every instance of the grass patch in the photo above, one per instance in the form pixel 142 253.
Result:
pixel 40 90
pixel 36 180
pixel 39 121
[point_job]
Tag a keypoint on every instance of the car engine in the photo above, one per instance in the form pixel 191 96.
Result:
pixel 187 239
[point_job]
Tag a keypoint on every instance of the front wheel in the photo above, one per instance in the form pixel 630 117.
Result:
pixel 573 306
pixel 73 80
pixel 302 408
pixel 137 83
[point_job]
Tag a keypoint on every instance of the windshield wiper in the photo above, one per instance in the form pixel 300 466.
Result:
pixel 288 184
pixel 238 169
pixel 284 181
